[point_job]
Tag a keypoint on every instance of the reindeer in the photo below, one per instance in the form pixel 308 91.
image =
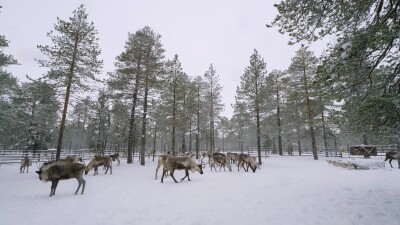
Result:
pixel 57 171
pixel 206 154
pixel 116 157
pixel 25 162
pixel 162 161
pixel 68 159
pixel 393 155
pixel 181 163
pixel 249 160
pixel 99 161
pixel 222 160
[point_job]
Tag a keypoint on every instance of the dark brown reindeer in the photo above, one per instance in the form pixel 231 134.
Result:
pixel 68 159
pixel 57 171
pixel 99 161
pixel 25 162
pixel 393 155
pixel 181 163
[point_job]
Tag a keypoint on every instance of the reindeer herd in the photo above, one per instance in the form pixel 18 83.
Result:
pixel 74 167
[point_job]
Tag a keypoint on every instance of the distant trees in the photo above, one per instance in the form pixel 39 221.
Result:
pixel 72 59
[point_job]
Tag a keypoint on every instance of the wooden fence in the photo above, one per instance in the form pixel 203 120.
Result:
pixel 15 156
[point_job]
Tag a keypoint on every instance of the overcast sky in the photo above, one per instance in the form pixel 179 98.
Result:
pixel 201 32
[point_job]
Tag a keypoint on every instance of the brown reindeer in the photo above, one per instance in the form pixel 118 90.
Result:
pixel 57 171
pixel 68 159
pixel 116 157
pixel 222 160
pixel 393 155
pixel 99 161
pixel 25 163
pixel 249 161
pixel 181 163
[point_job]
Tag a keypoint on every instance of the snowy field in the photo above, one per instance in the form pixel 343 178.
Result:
pixel 286 190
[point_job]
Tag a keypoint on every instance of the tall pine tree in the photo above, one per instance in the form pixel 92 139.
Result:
pixel 72 59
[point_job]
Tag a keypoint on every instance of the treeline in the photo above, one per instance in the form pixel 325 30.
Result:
pixel 350 95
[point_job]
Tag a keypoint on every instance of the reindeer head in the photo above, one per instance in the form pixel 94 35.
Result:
pixel 200 170
pixel 42 176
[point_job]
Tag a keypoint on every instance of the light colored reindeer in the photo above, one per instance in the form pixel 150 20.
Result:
pixel 25 163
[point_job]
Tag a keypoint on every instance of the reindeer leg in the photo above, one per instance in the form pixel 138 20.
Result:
pixel 390 162
pixel 54 184
pixel 82 182
pixel 54 191
pixel 156 173
pixel 172 175
pixel 186 175
pixel 163 174
pixel 83 185
pixel 52 188
pixel 398 161
pixel 110 169
pixel 79 186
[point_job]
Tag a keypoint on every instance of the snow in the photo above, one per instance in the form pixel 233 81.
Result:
pixel 286 190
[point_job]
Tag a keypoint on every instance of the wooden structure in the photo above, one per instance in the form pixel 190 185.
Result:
pixel 364 150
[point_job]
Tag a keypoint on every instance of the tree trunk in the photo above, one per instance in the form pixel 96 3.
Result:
pixel 174 116
pixel 154 141
pixel 278 117
pixel 324 131
pixel 310 120
pixel 131 138
pixel 190 134
pixel 144 122
pixel 64 116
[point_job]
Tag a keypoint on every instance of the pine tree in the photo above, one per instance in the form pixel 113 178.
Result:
pixel 172 96
pixel 152 71
pixel 36 107
pixel 367 40
pixel 8 85
pixel 303 66
pixel 214 101
pixel 72 59
pixel 199 109
pixel 251 86
pixel 136 69
pixel 274 87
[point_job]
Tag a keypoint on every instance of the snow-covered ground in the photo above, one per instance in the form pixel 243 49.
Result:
pixel 286 190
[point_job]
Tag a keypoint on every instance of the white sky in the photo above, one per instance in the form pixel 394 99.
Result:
pixel 222 32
